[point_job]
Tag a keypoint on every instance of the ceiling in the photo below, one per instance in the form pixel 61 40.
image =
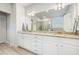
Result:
pixel 24 4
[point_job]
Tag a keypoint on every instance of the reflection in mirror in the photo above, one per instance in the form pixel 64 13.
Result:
pixel 46 24
pixel 57 23
pixel 60 19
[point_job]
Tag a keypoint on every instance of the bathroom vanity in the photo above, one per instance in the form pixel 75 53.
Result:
pixel 47 44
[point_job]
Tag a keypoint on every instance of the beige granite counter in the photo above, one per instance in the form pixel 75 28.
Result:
pixel 62 35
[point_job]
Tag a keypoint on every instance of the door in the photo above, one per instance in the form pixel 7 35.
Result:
pixel 2 27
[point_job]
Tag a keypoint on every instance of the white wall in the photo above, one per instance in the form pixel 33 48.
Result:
pixel 5 7
pixel 69 19
pixel 78 15
pixel 11 26
pixel 20 16
pixel 10 9
pixel 14 23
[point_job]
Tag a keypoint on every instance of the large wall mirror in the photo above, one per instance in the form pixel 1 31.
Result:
pixel 50 17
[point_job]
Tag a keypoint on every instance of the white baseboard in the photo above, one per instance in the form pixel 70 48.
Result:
pixel 2 41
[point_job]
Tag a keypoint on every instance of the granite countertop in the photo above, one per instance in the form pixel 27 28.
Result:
pixel 63 35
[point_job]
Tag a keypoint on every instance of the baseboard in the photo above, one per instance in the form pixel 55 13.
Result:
pixel 2 41
pixel 12 44
pixel 28 50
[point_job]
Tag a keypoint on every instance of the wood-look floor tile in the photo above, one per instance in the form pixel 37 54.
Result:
pixel 5 49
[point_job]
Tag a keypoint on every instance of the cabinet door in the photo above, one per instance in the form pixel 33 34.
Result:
pixel 20 40
pixel 50 46
pixel 68 49
pixel 38 45
pixel 30 42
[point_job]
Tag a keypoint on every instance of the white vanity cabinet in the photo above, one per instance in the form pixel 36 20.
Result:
pixel 20 39
pixel 46 45
pixel 50 45
pixel 31 42
pixel 26 41
pixel 69 46
pixel 60 46
pixel 38 44
pixel 68 49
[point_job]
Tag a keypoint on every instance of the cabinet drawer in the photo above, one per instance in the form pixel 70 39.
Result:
pixel 54 39
pixel 70 41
